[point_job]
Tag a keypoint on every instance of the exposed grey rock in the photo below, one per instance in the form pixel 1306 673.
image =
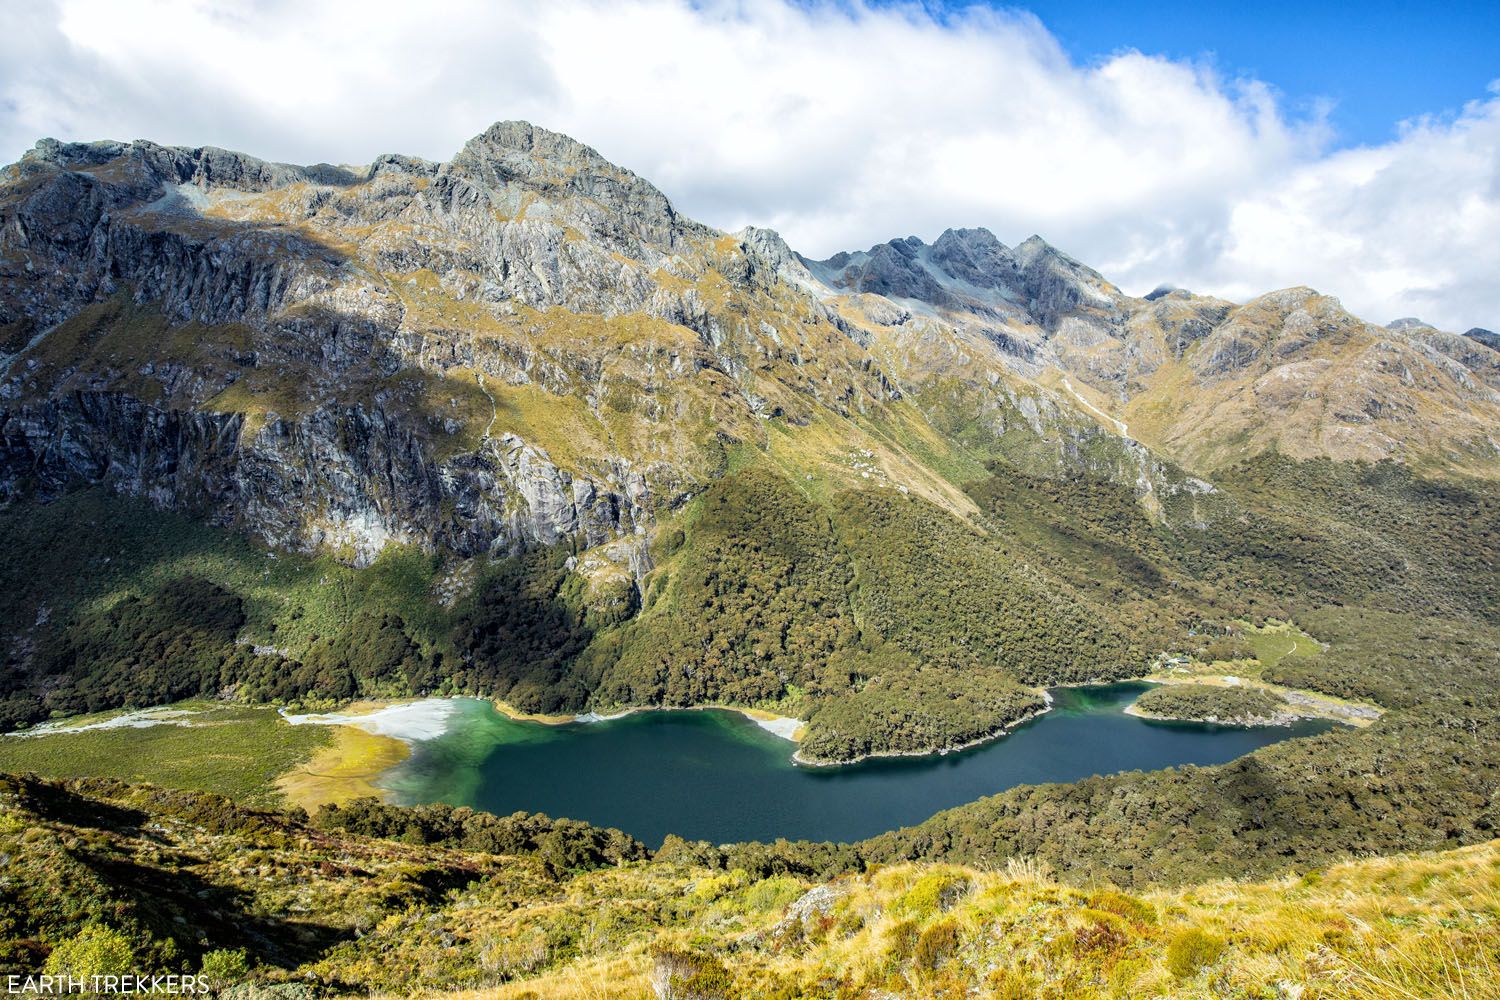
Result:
pixel 520 218
pixel 1488 338
pixel 1408 324
pixel 342 477
pixel 803 915
pixel 976 257
pixel 766 247
pixel 1059 288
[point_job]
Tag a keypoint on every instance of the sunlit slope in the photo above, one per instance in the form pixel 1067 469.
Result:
pixel 525 907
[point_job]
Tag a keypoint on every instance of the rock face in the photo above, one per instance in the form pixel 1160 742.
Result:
pixel 524 344
pixel 1488 338
pixel 1199 379
pixel 528 343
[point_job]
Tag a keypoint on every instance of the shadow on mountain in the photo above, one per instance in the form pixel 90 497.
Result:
pixel 201 915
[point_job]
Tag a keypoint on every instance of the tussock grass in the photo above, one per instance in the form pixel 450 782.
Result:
pixel 1408 927
pixel 403 915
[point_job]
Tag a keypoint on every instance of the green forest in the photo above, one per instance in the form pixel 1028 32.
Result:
pixel 1247 706
pixel 888 624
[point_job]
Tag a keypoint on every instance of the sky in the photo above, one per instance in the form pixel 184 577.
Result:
pixel 1229 149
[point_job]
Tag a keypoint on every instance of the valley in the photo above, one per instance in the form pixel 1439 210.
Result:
pixel 486 445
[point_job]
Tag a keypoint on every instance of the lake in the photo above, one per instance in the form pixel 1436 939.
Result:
pixel 717 776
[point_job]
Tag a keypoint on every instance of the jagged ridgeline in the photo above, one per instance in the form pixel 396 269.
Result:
pixel 511 425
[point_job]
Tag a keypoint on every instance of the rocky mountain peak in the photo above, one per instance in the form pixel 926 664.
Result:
pixel 526 150
pixel 768 246
pixel 515 156
pixel 1409 324
pixel 397 163
pixel 1031 247
pixel 1488 338
pixel 1035 251
pixel 137 169
pixel 977 257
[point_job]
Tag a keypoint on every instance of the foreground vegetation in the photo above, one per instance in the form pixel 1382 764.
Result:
pixel 372 898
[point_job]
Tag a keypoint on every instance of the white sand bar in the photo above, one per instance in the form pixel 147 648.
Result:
pixel 779 726
pixel 409 721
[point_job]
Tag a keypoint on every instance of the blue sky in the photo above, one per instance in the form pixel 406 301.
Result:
pixel 1228 149
pixel 1378 62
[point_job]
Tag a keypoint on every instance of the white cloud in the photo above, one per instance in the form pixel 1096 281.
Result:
pixel 839 125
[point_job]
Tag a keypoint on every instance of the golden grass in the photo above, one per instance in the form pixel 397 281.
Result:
pixel 1425 926
pixel 343 770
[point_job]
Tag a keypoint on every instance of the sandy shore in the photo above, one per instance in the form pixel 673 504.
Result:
pixel 407 721
pixel 783 726
pixel 369 738
pixel 344 770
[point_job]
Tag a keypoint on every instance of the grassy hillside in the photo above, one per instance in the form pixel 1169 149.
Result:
pixel 524 907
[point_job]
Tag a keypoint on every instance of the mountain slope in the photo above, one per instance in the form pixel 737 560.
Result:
pixel 1202 380
pixel 598 454
pixel 394 902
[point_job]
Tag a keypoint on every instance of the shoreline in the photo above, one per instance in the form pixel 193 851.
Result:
pixel 372 737
pixel 1280 719
pixel 1301 704
pixel 347 768
pixel 407 720
pixel 342 770
pixel 1003 731
pixel 369 738
pixel 783 726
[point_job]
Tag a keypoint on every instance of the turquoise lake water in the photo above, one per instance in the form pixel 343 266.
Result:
pixel 717 776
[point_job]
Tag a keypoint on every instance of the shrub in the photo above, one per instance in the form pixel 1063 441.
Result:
pixel 96 950
pixel 772 893
pixel 903 939
pixel 1100 931
pixel 224 967
pixel 1191 950
pixel 934 892
pixel 1116 902
pixel 937 944
pixel 689 975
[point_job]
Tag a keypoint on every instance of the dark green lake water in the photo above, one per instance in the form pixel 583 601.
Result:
pixel 717 776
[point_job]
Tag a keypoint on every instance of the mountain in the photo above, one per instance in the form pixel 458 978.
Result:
pixel 512 426
pixel 1203 381
pixel 528 343
pixel 614 440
